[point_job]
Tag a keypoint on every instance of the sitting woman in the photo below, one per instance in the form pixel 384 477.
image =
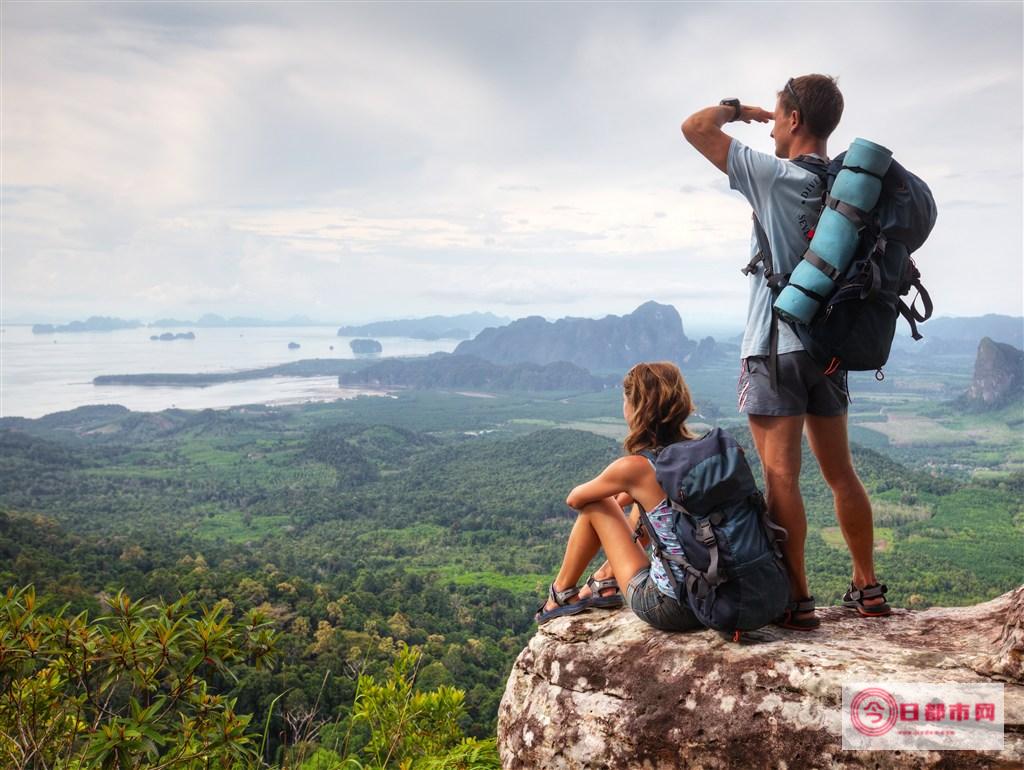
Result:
pixel 655 404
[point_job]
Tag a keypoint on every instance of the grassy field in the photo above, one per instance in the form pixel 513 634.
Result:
pixel 234 527
pixel 834 537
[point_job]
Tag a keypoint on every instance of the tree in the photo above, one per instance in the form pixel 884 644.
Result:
pixel 414 730
pixel 128 689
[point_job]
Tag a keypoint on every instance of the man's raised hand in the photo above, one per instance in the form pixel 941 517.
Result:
pixel 748 113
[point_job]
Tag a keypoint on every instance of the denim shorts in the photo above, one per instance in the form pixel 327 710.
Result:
pixel 652 606
pixel 803 387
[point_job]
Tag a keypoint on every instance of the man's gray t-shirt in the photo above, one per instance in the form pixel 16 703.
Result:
pixel 787 201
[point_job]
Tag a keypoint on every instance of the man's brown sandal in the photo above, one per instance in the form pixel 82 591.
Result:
pixel 788 619
pixel 854 597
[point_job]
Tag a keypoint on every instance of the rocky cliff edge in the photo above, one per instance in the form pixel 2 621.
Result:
pixel 604 690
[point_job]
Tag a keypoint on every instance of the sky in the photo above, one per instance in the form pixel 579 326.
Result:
pixel 354 162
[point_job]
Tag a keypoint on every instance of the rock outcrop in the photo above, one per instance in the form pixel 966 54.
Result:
pixel 652 332
pixel 998 375
pixel 706 351
pixel 604 690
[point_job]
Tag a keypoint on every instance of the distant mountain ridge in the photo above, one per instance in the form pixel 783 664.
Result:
pixel 952 335
pixel 435 327
pixel 1000 328
pixel 214 321
pixel 651 332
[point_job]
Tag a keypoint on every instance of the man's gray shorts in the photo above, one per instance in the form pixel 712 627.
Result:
pixel 803 387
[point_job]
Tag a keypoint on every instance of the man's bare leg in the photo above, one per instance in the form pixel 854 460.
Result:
pixel 831 446
pixel 778 442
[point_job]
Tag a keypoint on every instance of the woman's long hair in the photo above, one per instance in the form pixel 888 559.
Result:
pixel 661 403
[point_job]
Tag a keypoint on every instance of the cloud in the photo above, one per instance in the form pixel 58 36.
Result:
pixel 369 163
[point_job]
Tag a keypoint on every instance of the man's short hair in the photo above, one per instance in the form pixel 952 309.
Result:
pixel 818 100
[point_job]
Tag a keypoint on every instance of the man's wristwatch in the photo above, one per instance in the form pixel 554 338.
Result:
pixel 735 104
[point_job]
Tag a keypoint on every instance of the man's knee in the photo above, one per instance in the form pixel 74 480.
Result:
pixel 782 480
pixel 843 481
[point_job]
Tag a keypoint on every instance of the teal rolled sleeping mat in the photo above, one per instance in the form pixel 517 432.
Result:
pixel 836 236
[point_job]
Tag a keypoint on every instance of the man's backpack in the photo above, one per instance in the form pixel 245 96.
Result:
pixel 735 579
pixel 854 328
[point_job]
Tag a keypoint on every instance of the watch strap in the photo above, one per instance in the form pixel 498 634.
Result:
pixel 735 104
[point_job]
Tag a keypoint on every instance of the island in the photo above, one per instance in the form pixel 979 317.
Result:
pixel 94 323
pixel 310 367
pixel 365 347
pixel 168 336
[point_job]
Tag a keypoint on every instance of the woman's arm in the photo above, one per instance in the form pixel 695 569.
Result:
pixel 617 478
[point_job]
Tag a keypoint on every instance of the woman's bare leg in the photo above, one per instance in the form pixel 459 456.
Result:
pixel 600 525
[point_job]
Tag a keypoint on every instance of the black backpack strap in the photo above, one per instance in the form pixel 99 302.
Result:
pixel 912 314
pixel 651 456
pixel 773 351
pixel 813 164
pixel 809 163
pixel 830 270
pixel 707 536
pixel 859 217
pixel 776 534
pixel 873 286
pixel 659 551
pixel 862 170
pixel 776 282
pixel 696 581
pixel 907 313
pixel 764 251
pixel 642 522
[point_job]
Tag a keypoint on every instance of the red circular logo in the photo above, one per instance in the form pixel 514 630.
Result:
pixel 873 711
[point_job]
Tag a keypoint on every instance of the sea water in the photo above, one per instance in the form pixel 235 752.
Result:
pixel 44 373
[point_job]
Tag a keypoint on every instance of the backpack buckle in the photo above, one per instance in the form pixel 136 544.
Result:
pixel 638 532
pixel 706 534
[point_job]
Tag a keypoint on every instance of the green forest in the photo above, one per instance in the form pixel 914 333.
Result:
pixel 369 554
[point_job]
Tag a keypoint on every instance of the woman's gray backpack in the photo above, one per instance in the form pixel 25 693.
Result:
pixel 735 579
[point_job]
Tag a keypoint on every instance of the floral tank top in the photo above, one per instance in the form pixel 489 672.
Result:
pixel 661 520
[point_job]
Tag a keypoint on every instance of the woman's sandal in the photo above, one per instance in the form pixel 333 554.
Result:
pixel 788 618
pixel 565 604
pixel 854 597
pixel 609 602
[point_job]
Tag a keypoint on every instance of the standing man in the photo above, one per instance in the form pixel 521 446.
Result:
pixel 783 399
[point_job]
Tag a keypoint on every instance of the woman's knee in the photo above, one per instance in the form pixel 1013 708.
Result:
pixel 599 507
